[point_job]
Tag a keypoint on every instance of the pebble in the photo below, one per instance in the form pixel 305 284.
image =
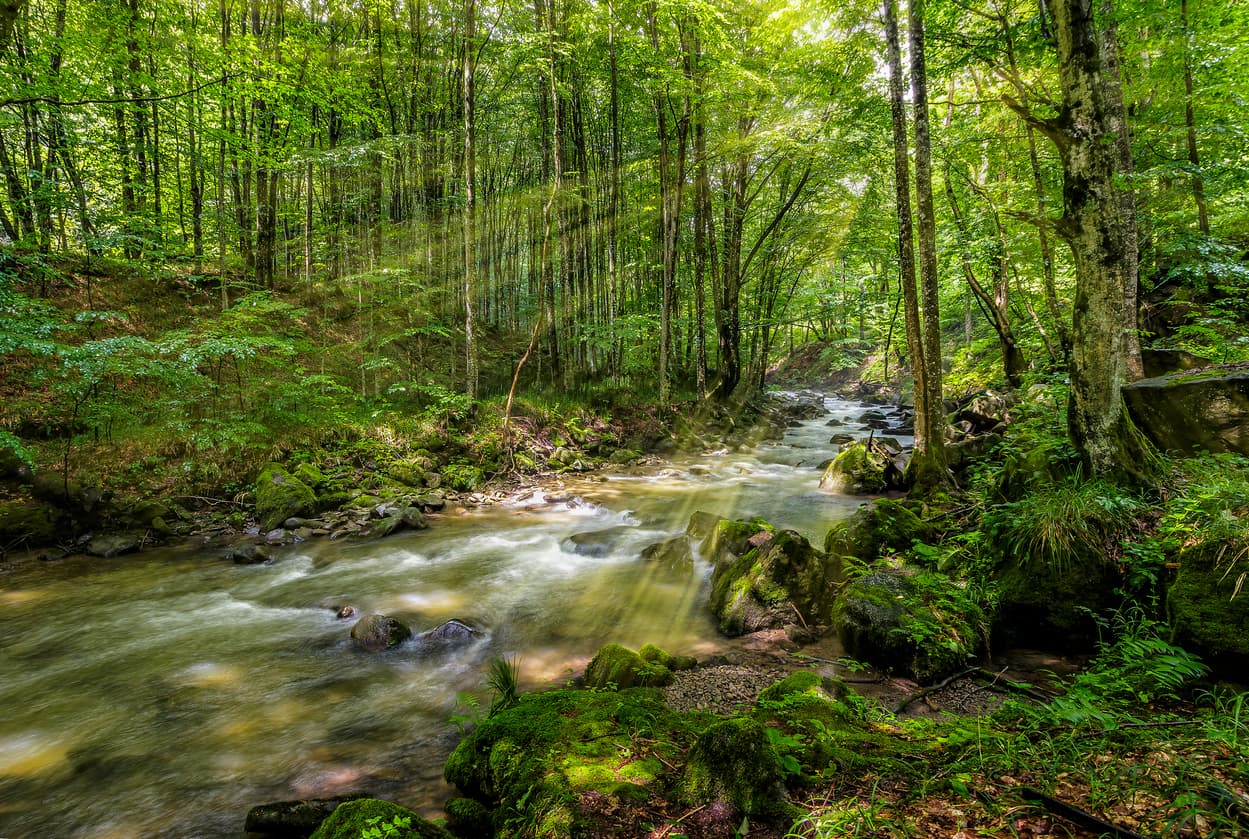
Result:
pixel 721 689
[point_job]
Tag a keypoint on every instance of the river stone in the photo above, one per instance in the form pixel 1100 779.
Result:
pixel 841 439
pixel 379 632
pixel 595 543
pixel 619 667
pixel 1193 412
pixel 247 555
pixel 294 819
pixel 734 762
pixel 777 575
pixel 399 518
pixel 280 495
pixel 673 554
pixel 447 635
pixel 112 545
pixel 860 470
pixel 702 524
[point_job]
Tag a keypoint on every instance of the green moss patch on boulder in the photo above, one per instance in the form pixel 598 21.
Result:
pixel 29 522
pixel 623 668
pixel 726 540
pixel 280 496
pixel 924 626
pixel 462 477
pixel 779 575
pixel 859 470
pixel 874 527
pixel 1209 605
pixel 352 819
pixel 734 762
pixel 552 765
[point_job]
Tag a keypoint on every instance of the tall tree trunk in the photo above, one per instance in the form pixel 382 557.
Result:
pixel 1094 227
pixel 1190 127
pixel 927 469
pixel 470 198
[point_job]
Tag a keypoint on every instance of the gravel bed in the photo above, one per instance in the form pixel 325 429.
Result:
pixel 720 688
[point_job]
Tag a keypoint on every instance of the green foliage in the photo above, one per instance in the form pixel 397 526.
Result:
pixel 1061 525
pixel 503 679
pixel 382 828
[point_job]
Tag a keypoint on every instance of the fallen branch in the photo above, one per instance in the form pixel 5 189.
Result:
pixel 676 822
pixel 1017 687
pixel 1076 816
pixel 208 500
pixel 920 694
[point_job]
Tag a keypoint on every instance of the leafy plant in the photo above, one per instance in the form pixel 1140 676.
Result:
pixel 503 678
pixel 392 828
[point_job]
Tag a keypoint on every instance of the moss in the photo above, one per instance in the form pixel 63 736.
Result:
pixel 728 539
pixel 462 477
pixel 1208 606
pixel 534 762
pixel 654 655
pixel 310 475
pixel 468 818
pixel 734 762
pixel 34 522
pixel 350 820
pixel 280 496
pixel 801 681
pixel 764 587
pixel 882 524
pixel 856 470
pixel 622 667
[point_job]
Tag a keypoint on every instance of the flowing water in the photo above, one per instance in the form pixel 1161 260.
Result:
pixel 164 694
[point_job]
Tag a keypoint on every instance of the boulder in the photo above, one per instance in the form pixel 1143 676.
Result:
pixel 1209 607
pixel 883 524
pixel 623 456
pixel 673 554
pixel 886 619
pixel 1160 362
pixel 652 654
pixel 701 524
pixel 728 540
pixel 734 762
pixel 111 545
pixel 596 543
pixel 861 470
pixel 379 632
pixel 399 518
pixel 1193 412
pixel 310 475
pixel 280 495
pixel 985 412
pixel 446 636
pixel 841 439
pixel 294 819
pixel 462 477
pixel 622 668
pixel 468 819
pixel 1053 606
pixel 776 575
pixel 354 819
pixel 247 555
pixel 29 522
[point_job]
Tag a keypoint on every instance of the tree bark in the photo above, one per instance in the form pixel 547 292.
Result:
pixel 470 197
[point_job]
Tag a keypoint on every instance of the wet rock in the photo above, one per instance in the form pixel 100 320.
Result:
pixel 399 518
pixel 702 524
pixel 379 632
pixel 294 819
pixel 447 636
pixel 861 470
pixel 623 456
pixel 344 612
pixel 113 545
pixel 775 576
pixel 674 553
pixel 595 543
pixel 841 439
pixel 247 555
pixel 280 495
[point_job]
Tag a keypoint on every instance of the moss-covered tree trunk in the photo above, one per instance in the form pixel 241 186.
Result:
pixel 1097 226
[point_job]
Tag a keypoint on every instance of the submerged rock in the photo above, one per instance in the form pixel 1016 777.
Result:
pixel 247 555
pixel 446 636
pixel 673 554
pixel 379 632
pixel 595 543
pixel 294 819
pixel 112 545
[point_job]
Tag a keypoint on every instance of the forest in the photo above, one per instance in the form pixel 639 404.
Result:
pixel 283 277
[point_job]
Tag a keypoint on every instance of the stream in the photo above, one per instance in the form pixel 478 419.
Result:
pixel 164 694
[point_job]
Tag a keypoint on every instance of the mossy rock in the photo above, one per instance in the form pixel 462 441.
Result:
pixel 652 654
pixel 31 522
pixel 874 527
pixel 408 474
pixel 922 628
pixel 333 500
pixel 462 477
pixel 701 525
pixel 379 632
pixel 468 818
pixel 673 554
pixel 858 470
pixel 623 456
pixel 1046 605
pixel 1209 608
pixel 351 819
pixel 557 760
pixel 310 475
pixel 734 762
pixel 280 496
pixel 622 667
pixel 727 540
pixel 764 587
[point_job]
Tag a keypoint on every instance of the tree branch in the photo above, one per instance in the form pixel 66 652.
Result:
pixel 128 100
